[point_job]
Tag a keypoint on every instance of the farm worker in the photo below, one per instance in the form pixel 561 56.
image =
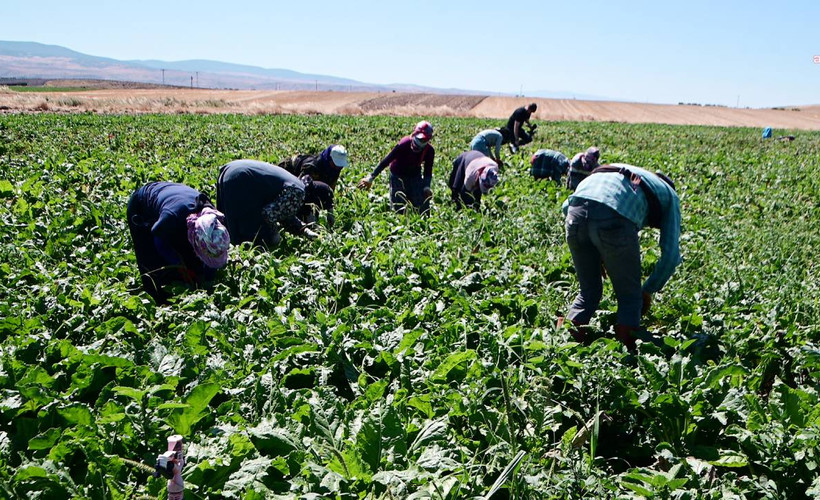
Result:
pixel 515 126
pixel 603 218
pixel 257 198
pixel 473 174
pixel 408 183
pixel 318 196
pixel 323 167
pixel 489 142
pixel 548 164
pixel 581 165
pixel 178 237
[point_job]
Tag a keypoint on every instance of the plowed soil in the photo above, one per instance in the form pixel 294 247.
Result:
pixel 203 101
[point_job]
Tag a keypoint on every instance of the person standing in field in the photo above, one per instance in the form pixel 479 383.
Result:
pixel 581 165
pixel 603 218
pixel 408 182
pixel 258 198
pixel 548 164
pixel 178 237
pixel 323 167
pixel 518 136
pixel 473 174
pixel 489 142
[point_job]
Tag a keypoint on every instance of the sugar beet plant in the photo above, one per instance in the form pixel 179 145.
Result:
pixel 400 356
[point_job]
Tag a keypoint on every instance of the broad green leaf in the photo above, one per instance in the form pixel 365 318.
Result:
pixel 45 440
pixel 454 366
pixel 184 418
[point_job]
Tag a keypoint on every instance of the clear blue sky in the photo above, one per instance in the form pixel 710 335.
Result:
pixel 654 51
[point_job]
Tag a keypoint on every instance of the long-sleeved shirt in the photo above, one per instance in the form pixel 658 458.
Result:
pixel 404 162
pixel 245 188
pixel 617 192
pixel 492 138
pixel 162 208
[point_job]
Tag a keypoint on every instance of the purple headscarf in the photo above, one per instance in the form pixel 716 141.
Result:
pixel 209 237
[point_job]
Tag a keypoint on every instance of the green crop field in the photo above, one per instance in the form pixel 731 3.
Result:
pixel 401 357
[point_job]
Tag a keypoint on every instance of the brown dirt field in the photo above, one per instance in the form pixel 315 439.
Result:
pixel 204 101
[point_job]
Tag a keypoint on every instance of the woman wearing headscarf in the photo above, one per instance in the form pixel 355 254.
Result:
pixel 257 199
pixel 408 183
pixel 473 175
pixel 324 167
pixel 581 166
pixel 178 236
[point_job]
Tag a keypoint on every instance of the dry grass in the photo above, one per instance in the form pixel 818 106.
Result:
pixel 204 101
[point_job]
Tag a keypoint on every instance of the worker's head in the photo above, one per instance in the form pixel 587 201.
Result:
pixel 591 157
pixel 488 178
pixel 422 133
pixel 318 194
pixel 209 237
pixel 532 107
pixel 337 155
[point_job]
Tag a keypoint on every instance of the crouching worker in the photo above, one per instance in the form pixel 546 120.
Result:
pixel 581 166
pixel 318 197
pixel 324 167
pixel 489 142
pixel 603 218
pixel 257 198
pixel 473 174
pixel 179 237
pixel 548 164
pixel 408 183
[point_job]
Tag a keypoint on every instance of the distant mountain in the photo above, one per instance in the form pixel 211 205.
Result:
pixel 37 60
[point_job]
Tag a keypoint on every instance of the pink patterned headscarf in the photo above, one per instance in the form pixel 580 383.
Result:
pixel 209 237
pixel 488 178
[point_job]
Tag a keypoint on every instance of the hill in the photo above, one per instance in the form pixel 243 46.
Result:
pixel 37 60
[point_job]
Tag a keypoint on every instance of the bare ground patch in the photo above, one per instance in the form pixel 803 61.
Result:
pixel 258 102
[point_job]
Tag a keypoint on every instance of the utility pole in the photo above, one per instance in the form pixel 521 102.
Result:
pixel 192 81
pixel 163 76
pixel 317 85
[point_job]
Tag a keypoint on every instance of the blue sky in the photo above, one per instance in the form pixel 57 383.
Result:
pixel 752 52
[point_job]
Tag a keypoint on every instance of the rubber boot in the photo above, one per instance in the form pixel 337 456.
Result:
pixel 624 334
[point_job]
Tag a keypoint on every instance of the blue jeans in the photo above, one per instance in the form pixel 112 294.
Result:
pixel 597 234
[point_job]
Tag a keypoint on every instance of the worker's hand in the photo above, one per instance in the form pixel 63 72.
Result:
pixel 428 193
pixel 309 233
pixel 647 303
pixel 331 220
pixel 365 183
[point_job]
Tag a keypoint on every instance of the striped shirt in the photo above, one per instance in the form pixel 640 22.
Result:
pixel 616 191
